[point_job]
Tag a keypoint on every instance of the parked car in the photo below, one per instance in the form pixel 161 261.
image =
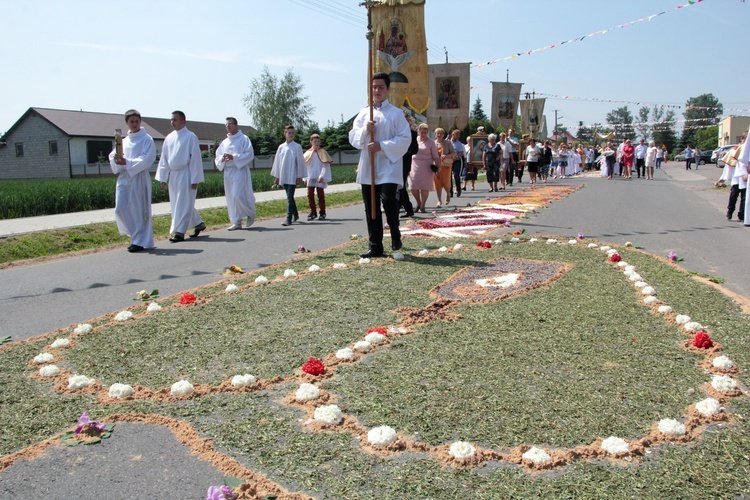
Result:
pixel 679 156
pixel 702 159
pixel 719 153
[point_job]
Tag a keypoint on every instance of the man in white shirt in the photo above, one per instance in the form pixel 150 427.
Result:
pixel 182 167
pixel 387 138
pixel 234 156
pixel 288 170
pixel 133 195
pixel 640 158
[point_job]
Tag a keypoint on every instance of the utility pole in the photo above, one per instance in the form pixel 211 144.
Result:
pixel 556 118
pixel 446 54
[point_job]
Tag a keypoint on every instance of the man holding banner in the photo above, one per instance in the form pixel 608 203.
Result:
pixel 386 138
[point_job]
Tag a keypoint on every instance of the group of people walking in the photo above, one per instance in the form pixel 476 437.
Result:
pixel 736 169
pixel 180 170
pixel 644 158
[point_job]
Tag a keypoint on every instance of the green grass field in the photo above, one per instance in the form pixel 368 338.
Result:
pixel 557 367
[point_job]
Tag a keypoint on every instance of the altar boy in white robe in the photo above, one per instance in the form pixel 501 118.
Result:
pixel 233 157
pixel 181 166
pixel 133 192
pixel 742 173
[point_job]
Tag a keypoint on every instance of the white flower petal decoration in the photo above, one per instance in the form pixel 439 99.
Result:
pixel 462 450
pixel 364 261
pixel 424 251
pixel 243 380
pixel 650 299
pixel 307 392
pixel 648 290
pixel 290 273
pixel 231 288
pixel 397 329
pixel 339 265
pixel 622 264
pixel 49 370
pixel 344 353
pixel 551 240
pixel 533 240
pixel 572 242
pixel 615 445
pixel 457 246
pixel 58 343
pixel 44 357
pixel 671 427
pixel 362 346
pixel 629 269
pixel 640 284
pixel 181 388
pixel 665 309
pixel 512 240
pixel 443 249
pixel 692 326
pixel 504 281
pixel 314 268
pixel 708 407
pixel 537 455
pixel 329 414
pixel 723 383
pixel 593 245
pixel 681 319
pixel 153 307
pixel 498 241
pixel 375 338
pixel 611 252
pixel 79 382
pixel 261 280
pixel 635 277
pixel 120 391
pixel 605 248
pixel 83 328
pixel 398 256
pixel 628 274
pixel 723 362
pixel 123 316
pixel 382 436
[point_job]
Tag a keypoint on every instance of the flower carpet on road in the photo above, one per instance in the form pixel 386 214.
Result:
pixel 479 219
pixel 464 370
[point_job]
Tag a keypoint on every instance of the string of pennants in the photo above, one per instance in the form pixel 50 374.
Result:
pixel 584 37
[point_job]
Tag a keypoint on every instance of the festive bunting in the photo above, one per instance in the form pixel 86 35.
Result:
pixel 579 39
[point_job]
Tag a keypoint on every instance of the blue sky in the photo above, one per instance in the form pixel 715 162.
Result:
pixel 201 56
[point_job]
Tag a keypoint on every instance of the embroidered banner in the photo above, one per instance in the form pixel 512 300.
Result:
pixel 401 51
pixel 531 116
pixel 449 96
pixel 505 98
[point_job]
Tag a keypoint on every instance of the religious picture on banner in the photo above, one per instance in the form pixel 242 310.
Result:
pixel 448 92
pixel 477 142
pixel 533 116
pixel 394 51
pixel 506 108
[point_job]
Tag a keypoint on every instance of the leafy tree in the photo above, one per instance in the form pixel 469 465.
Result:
pixel 707 139
pixel 622 122
pixel 585 134
pixel 642 128
pixel 663 131
pixel 273 103
pixel 702 111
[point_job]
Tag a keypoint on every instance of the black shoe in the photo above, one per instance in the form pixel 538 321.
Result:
pixel 372 253
pixel 296 217
pixel 198 229
pixel 396 244
pixel 312 216
pixel 407 215
pixel 135 248
pixel 177 238
pixel 322 216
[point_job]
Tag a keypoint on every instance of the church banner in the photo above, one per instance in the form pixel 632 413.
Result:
pixel 505 98
pixel 401 51
pixel 531 116
pixel 449 96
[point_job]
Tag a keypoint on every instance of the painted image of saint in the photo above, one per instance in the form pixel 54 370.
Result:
pixel 533 116
pixel 477 150
pixel 447 93
pixel 394 51
pixel 505 110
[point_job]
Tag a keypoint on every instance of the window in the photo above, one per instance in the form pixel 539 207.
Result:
pixel 19 149
pixel 97 151
pixel 53 148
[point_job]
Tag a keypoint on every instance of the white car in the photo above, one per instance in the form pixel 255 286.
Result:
pixel 719 153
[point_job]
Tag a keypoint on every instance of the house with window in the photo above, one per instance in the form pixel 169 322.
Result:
pixel 732 128
pixel 62 144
